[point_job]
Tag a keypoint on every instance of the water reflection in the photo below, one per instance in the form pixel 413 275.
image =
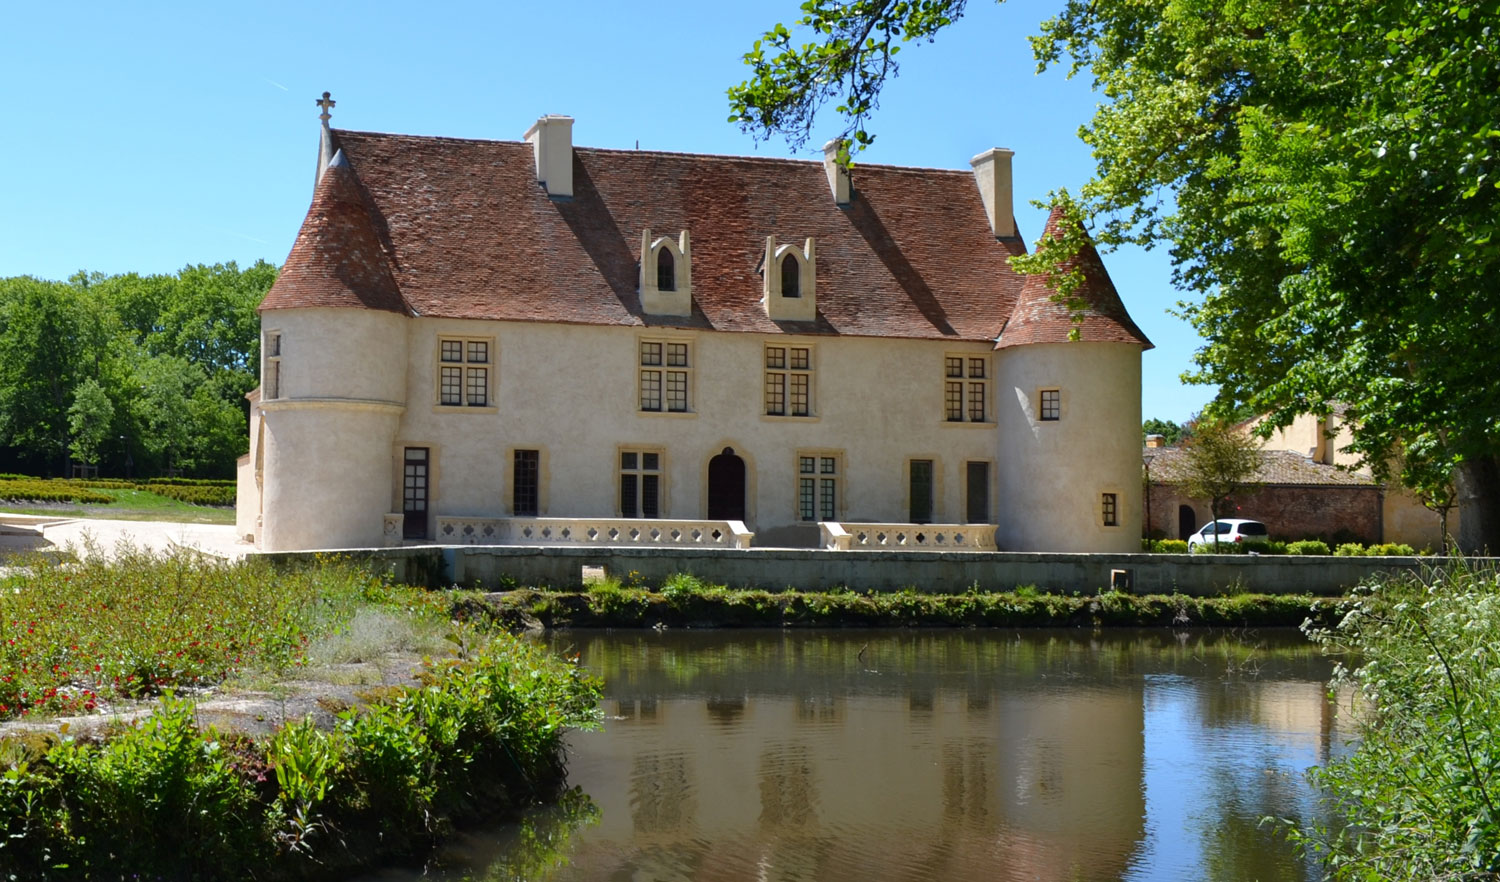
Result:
pixel 939 755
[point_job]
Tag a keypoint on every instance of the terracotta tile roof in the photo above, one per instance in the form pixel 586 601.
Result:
pixel 338 259
pixel 1038 319
pixel 1279 467
pixel 471 234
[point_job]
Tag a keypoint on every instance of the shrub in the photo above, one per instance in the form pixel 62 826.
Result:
pixel 1415 798
pixel 1307 546
pixel 1165 546
pixel 1391 549
pixel 1349 549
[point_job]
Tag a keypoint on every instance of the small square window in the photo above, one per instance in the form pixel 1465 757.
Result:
pixel 1051 404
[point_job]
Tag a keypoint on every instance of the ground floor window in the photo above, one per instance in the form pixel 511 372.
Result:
pixel 414 487
pixel 640 483
pixel 817 487
pixel 525 483
pixel 920 491
pixel 977 492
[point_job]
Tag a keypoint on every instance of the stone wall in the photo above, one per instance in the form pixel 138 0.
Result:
pixel 938 572
pixel 1346 514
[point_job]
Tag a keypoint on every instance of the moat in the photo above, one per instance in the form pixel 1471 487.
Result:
pixel 934 755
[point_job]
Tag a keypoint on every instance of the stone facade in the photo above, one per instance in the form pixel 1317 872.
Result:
pixel 461 322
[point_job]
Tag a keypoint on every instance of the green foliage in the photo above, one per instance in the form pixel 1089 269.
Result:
pixel 165 799
pixel 1417 796
pixel 1027 606
pixel 1349 549
pixel 34 490
pixel 1221 460
pixel 1333 195
pixel 153 368
pixel 89 420
pixel 1171 433
pixel 1165 546
pixel 1307 546
pixel 77 636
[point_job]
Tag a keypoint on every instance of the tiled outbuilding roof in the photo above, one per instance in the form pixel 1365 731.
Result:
pixel 1038 318
pixel 1277 467
pixel 468 232
pixel 338 259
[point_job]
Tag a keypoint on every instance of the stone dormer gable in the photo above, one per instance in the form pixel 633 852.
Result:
pixel 789 278
pixel 337 260
pixel 666 282
pixel 1037 318
pixel 472 235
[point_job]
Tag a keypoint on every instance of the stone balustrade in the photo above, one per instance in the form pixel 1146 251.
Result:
pixel 933 537
pixel 455 530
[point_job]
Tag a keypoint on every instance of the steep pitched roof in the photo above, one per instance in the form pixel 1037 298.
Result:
pixel 1039 319
pixel 469 233
pixel 338 259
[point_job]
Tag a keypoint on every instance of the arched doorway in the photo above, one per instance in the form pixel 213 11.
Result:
pixel 1187 521
pixel 726 487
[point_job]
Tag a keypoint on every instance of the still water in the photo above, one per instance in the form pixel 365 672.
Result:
pixel 922 755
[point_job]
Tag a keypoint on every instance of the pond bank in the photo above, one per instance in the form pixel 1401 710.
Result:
pixel 683 604
pixel 144 649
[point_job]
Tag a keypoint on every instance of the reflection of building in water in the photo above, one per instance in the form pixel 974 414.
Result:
pixel 936 784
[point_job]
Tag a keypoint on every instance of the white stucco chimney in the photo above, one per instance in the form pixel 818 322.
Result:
pixel 551 139
pixel 992 173
pixel 838 175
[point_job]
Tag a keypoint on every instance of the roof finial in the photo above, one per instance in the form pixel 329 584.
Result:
pixel 327 104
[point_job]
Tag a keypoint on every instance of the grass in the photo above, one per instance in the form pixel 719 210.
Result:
pixel 77 637
pixel 684 600
pixel 129 505
pixel 167 798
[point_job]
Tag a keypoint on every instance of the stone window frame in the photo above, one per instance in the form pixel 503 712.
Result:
pixel 640 471
pixel 781 368
pixel 271 379
pixel 990 490
pixel 664 369
pixel 676 300
pixel 975 374
pixel 466 367
pixel 935 516
pixel 542 479
pixel 821 479
pixel 1050 404
pixel 1109 508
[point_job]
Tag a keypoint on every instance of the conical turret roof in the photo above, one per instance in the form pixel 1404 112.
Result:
pixel 1038 318
pixel 337 260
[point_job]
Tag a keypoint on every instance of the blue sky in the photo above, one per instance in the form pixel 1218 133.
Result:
pixel 149 136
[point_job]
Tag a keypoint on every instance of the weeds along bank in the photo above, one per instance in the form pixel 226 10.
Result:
pixel 480 733
pixel 687 601
pixel 1420 793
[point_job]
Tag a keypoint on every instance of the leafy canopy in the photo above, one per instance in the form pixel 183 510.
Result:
pixel 1325 174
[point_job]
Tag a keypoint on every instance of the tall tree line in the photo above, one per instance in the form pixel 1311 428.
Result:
pixel 138 374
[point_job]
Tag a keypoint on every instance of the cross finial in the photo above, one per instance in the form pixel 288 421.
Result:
pixel 327 104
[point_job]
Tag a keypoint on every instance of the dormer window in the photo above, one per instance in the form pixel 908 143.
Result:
pixel 666 278
pixel 789 277
pixel 666 270
pixel 791 272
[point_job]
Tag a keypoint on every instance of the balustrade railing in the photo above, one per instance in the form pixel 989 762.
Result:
pixel 648 532
pixel 951 537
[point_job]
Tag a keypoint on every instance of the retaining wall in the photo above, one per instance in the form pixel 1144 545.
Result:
pixel 933 572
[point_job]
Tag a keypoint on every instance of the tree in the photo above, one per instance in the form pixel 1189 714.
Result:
pixel 40 351
pixel 1334 174
pixel 1171 433
pixel 89 421
pixel 1221 460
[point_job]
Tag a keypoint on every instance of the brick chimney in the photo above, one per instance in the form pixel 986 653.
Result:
pixel 1156 440
pixel 551 138
pixel 992 174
